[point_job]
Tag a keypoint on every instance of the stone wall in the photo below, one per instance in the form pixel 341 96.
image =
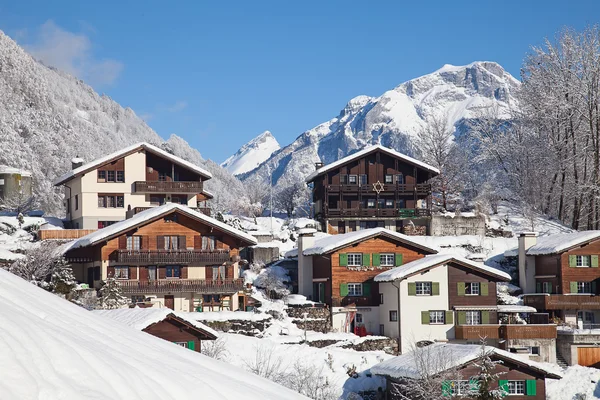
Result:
pixel 242 327
pixel 388 345
pixel 317 319
pixel 547 348
pixel 442 225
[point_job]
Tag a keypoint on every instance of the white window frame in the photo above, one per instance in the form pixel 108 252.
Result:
pixel 516 388
pixel 388 179
pixel 355 289
pixel 583 261
pixel 472 317
pixel 437 317
pixel 387 259
pixel 469 286
pixel 584 287
pixel 423 288
pixel 355 259
pixel 121 272
pixel 134 242
pixel 350 178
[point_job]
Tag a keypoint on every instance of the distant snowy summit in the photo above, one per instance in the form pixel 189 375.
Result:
pixel 252 154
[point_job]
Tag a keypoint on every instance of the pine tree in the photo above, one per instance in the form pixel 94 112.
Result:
pixel 111 295
pixel 486 377
pixel 62 280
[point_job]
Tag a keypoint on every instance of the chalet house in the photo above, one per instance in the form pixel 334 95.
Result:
pixel 171 256
pixel 374 187
pixel 454 365
pixel 338 270
pixel 130 180
pixel 560 274
pixel 443 297
pixel 163 323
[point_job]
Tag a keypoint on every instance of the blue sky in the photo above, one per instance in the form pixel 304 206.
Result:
pixel 218 73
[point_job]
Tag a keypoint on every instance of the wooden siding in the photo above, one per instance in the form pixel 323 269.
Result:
pixel 458 274
pixel 174 332
pixel 493 331
pixel 573 274
pixel 63 234
pixel 562 302
pixel 588 356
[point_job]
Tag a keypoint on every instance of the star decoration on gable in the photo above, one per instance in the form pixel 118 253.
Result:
pixel 378 187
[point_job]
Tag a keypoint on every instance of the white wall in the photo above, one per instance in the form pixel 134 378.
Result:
pixel 370 318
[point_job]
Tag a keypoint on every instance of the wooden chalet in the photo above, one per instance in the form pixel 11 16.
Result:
pixel 169 256
pixel 374 187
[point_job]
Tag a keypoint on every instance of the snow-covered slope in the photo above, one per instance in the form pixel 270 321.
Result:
pixel 252 154
pixel 53 349
pixel 48 117
pixel 394 118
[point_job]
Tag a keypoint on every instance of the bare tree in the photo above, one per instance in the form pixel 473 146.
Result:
pixel 38 265
pixel 216 349
pixel 19 203
pixel 291 197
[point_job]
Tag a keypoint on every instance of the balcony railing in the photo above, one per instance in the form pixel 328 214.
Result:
pixel 135 210
pixel 512 331
pixel 171 256
pixel 193 187
pixel 421 188
pixel 63 234
pixel 182 285
pixel 562 301
pixel 378 212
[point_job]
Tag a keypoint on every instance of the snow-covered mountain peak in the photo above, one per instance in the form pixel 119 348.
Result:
pixel 252 154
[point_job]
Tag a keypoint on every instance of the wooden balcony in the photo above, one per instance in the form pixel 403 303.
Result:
pixel 562 301
pixel 401 188
pixel 182 285
pixel 377 212
pixel 135 210
pixel 171 256
pixel 193 187
pixel 512 331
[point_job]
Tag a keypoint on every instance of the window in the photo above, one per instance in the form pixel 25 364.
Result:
pixel 584 287
pixel 463 387
pixel 363 179
pixel 473 317
pixel 171 242
pixel 583 261
pixel 77 202
pixel 380 298
pixel 110 176
pixel 209 242
pixel 387 259
pixel 359 318
pixel 104 224
pixel 68 206
pixel 436 317
pixel 101 176
pixel 101 201
pixel 120 176
pixel 400 179
pixel 162 176
pixel 355 289
pixel 218 272
pixel 121 272
pixel 352 179
pixel 534 350
pixel 152 273
pixel 472 289
pixel 423 288
pixel 111 201
pixel 546 287
pixel 182 344
pixel 157 200
pixel 354 259
pixel 371 203
pixel 393 316
pixel 134 242
pixel 173 271
pixel 381 203
pixel 137 299
pixel 120 201
pixel 516 387
pixel 389 203
pixel 389 179
pixel 343 179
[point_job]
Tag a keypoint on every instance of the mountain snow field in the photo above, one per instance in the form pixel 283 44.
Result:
pixel 252 154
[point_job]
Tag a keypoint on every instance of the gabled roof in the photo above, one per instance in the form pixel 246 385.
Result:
pixel 332 243
pixel 561 242
pixel 126 151
pixel 444 356
pixel 434 260
pixel 368 150
pixel 149 215
pixel 142 318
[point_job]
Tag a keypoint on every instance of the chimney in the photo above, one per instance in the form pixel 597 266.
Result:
pixel 527 263
pixel 76 162
pixel 306 239
pixel 319 165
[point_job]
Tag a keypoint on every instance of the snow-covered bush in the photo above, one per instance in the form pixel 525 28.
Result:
pixel 62 280
pixel 43 267
pixel 111 295
pixel 273 281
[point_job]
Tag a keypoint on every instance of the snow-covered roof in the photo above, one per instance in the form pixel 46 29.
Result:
pixel 150 214
pixel 561 242
pixel 443 356
pixel 515 308
pixel 141 318
pixel 54 349
pixel 4 169
pixel 331 243
pixel 127 150
pixel 435 260
pixel 366 151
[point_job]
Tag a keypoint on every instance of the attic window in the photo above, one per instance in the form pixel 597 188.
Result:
pixel 171 218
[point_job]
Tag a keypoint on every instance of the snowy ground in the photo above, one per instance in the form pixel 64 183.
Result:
pixel 15 239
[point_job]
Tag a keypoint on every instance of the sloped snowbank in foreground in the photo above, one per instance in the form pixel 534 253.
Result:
pixel 52 349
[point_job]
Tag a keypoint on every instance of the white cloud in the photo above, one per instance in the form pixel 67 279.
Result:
pixel 72 53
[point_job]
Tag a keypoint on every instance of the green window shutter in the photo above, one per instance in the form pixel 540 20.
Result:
pixel 447 388
pixel 572 260
pixel 343 289
pixel 366 259
pixel 503 385
pixel 538 287
pixel 449 317
pixel 412 288
pixel 399 261
pixel 573 287
pixel 485 317
pixel 191 345
pixel 424 317
pixel 461 288
pixel 376 259
pixel 366 288
pixel 531 387
pixel 473 385
pixel 594 261
pixel 343 260
pixel 462 317
pixel 484 286
pixel 435 288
